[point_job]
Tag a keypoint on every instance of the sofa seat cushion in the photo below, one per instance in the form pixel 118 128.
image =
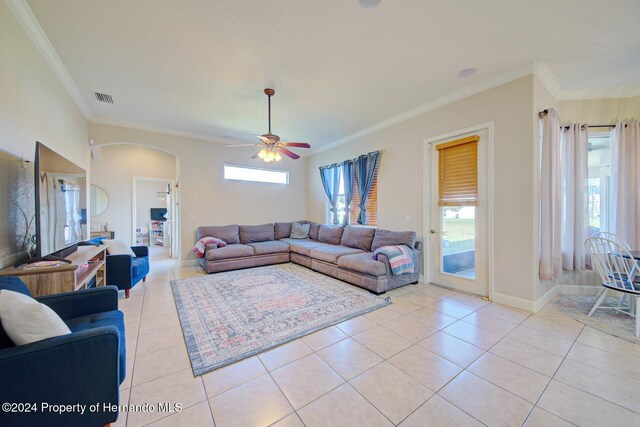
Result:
pixel 229 251
pixel 302 246
pixel 362 263
pixel 273 247
pixel 331 253
pixel 106 318
pixel 139 268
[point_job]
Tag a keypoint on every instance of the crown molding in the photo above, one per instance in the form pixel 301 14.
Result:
pixel 146 128
pixel 490 83
pixel 29 22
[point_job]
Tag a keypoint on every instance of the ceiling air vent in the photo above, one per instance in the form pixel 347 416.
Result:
pixel 103 97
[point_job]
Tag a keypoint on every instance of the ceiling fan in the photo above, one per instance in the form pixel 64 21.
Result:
pixel 271 144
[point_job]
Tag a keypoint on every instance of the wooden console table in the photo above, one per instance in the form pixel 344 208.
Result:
pixel 106 234
pixel 65 277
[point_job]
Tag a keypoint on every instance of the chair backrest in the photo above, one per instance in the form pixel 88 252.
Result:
pixel 614 263
pixel 613 238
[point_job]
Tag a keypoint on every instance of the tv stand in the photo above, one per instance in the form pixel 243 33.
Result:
pixel 77 272
pixel 44 258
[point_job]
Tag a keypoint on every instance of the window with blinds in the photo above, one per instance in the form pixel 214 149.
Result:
pixel 372 202
pixel 458 172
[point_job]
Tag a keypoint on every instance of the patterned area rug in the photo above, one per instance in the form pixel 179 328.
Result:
pixel 230 316
pixel 609 321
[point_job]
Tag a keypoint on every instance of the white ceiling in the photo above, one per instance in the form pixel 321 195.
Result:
pixel 199 66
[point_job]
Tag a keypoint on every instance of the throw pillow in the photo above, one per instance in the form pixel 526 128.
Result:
pixel 25 320
pixel 300 231
pixel 118 247
pixel 201 247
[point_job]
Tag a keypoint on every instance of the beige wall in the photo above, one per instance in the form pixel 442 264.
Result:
pixel 542 100
pixel 400 193
pixel 205 198
pixel 114 173
pixel 34 106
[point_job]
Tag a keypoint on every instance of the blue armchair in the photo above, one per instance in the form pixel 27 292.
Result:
pixel 125 271
pixel 85 367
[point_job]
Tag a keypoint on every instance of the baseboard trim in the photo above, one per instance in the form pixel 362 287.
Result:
pixel 514 302
pixel 544 299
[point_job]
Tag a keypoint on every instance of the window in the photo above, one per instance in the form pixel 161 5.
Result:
pixel 599 177
pixel 242 173
pixel 372 203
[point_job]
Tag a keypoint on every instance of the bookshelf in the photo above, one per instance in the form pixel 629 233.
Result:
pixel 156 233
pixel 142 236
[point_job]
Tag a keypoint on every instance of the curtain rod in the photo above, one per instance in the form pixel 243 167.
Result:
pixel 545 112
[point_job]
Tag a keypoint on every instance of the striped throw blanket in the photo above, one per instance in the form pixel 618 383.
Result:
pixel 400 258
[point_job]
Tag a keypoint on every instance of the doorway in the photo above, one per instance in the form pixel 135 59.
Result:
pixel 458 210
pixel 153 219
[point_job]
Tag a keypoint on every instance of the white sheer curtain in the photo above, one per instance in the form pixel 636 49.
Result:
pixel 575 214
pixel 550 197
pixel 625 182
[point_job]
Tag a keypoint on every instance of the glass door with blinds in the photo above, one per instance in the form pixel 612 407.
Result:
pixel 458 232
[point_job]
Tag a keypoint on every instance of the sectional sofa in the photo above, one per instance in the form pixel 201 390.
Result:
pixel 341 252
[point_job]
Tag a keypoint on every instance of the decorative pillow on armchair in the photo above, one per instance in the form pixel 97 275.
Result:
pixel 201 247
pixel 118 247
pixel 25 320
pixel 300 231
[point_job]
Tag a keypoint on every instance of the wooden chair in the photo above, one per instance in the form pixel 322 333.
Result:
pixel 618 271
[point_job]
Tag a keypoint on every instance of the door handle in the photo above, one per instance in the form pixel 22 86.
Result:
pixel 432 231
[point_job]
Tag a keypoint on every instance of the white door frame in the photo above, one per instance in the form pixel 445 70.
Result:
pixel 174 220
pixel 426 197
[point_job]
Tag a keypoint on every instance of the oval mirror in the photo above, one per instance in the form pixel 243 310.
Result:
pixel 99 200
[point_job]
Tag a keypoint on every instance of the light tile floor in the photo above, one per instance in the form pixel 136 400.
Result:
pixel 434 357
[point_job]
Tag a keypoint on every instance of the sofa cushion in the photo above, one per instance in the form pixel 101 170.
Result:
pixel 302 246
pixel 300 231
pixel 331 234
pixel 331 253
pixel 390 238
pixel 282 230
pixel 256 233
pixel 314 229
pixel 357 237
pixel 272 247
pixel 105 318
pixel 139 268
pixel 228 233
pixel 362 263
pixel 229 251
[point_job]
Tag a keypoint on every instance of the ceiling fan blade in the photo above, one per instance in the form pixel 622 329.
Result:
pixel 296 144
pixel 241 145
pixel 263 138
pixel 255 156
pixel 286 152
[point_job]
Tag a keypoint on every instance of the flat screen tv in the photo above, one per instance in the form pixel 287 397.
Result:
pixel 61 199
pixel 158 214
